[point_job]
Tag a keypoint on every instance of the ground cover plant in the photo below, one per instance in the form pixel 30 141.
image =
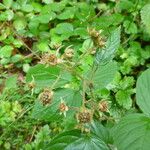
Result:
pixel 74 75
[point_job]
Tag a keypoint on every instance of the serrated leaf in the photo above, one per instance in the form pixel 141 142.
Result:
pixel 46 76
pixel 143 92
pixel 132 133
pixel 104 75
pixel 67 14
pixel 123 97
pixel 145 15
pixel 19 24
pixel 74 140
pixel 11 82
pixel 130 27
pixel 64 28
pixel 98 129
pixel 106 54
pixel 42 75
pixel 7 3
pixel 6 51
pixel 51 112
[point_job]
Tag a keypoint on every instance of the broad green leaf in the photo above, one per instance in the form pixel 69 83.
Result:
pixel 27 8
pixel 104 75
pixel 123 97
pixel 45 18
pixel 103 22
pixel 126 5
pixel 87 44
pixel 51 113
pixel 7 3
pixel 82 32
pixel 46 76
pixel 6 15
pixel 64 28
pixel 105 54
pixel 67 14
pixel 6 51
pixel 62 31
pixel 57 6
pixel 99 130
pixel 11 82
pixel 132 133
pixel 84 12
pixel 19 24
pixel 42 46
pixel 16 58
pixel 47 1
pixel 143 92
pixel 145 15
pixel 74 140
pixel 130 27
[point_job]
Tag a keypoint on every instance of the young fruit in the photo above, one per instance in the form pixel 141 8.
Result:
pixel 84 116
pixel 103 106
pixel 69 53
pixel 63 108
pixel 93 33
pixel 50 59
pixel 46 97
pixel 100 42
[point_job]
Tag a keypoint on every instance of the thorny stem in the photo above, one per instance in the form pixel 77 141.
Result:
pixel 33 53
pixel 34 129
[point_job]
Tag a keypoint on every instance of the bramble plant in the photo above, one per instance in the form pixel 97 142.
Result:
pixel 74 75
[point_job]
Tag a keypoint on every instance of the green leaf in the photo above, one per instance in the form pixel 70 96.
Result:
pixel 130 27
pixel 64 28
pixel 6 15
pixel 19 24
pixel 11 82
pixel 45 18
pixel 6 51
pixel 132 133
pixel 67 14
pixel 27 8
pixel 99 130
pixel 87 44
pixel 104 75
pixel 145 15
pixel 7 3
pixel 43 46
pixel 51 113
pixel 143 92
pixel 47 1
pixel 57 6
pixel 43 76
pixel 62 31
pixel 74 140
pixel 106 54
pixel 123 98
pixel 46 76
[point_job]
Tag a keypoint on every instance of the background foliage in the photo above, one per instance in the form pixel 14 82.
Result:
pixel 92 57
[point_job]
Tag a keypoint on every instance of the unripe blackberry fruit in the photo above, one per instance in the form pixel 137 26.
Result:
pixel 93 33
pixel 100 42
pixel 31 85
pixel 63 107
pixel 52 59
pixel 103 106
pixel 46 96
pixel 69 53
pixel 84 116
pixel 49 59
